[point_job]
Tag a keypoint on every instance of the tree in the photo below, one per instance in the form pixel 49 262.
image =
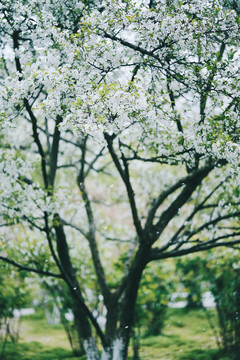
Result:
pixel 58 308
pixel 219 274
pixel 15 294
pixel 222 274
pixel 191 271
pixel 120 144
pixel 153 297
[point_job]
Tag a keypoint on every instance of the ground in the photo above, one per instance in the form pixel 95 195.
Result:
pixel 187 336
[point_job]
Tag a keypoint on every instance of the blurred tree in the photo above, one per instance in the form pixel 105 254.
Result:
pixel 153 298
pixel 219 274
pixel 223 274
pixel 14 295
pixel 57 297
pixel 190 271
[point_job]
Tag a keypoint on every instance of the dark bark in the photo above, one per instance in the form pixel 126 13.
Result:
pixel 79 308
pixel 83 325
pixel 54 152
pixel 91 236
pixel 128 303
pixel 192 183
pixel 29 269
pixel 124 173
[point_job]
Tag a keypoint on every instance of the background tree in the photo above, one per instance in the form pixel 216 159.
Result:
pixel 14 295
pixel 153 297
pixel 58 307
pixel 120 142
pixel 219 274
pixel 223 276
pixel 191 271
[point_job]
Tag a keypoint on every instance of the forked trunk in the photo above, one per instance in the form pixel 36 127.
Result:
pixel 118 339
pixel 117 351
pixel 107 354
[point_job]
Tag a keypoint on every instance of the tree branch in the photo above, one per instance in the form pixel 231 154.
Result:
pixel 205 91
pixel 30 112
pixel 69 275
pixel 54 152
pixel 131 46
pixel 126 179
pixel 155 254
pixel 190 217
pixel 91 236
pixel 90 166
pixel 196 178
pixel 26 268
pixel 66 223
pixel 188 180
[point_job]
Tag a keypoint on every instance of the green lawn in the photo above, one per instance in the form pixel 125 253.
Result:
pixel 36 351
pixel 186 336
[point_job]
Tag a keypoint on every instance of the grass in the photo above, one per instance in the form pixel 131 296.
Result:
pixel 38 330
pixel 36 351
pixel 186 336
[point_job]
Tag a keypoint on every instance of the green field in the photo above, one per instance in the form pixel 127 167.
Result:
pixel 187 336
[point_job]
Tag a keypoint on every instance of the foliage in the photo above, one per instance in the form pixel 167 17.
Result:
pixel 190 271
pixel 219 274
pixel 14 295
pixel 120 145
pixel 153 298
pixel 223 275
pixel 58 296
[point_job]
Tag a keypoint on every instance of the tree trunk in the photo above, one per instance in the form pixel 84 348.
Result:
pixel 120 347
pixel 117 351
pixel 82 322
pixel 91 349
pixel 121 343
pixel 84 331
pixel 136 345
pixel 107 354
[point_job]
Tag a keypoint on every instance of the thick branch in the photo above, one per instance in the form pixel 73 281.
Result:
pixel 172 99
pixel 198 208
pixel 91 236
pixel 192 182
pixel 37 141
pixel 131 197
pixel 16 47
pixel 54 152
pixel 188 180
pixel 212 222
pixel 158 255
pixel 70 278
